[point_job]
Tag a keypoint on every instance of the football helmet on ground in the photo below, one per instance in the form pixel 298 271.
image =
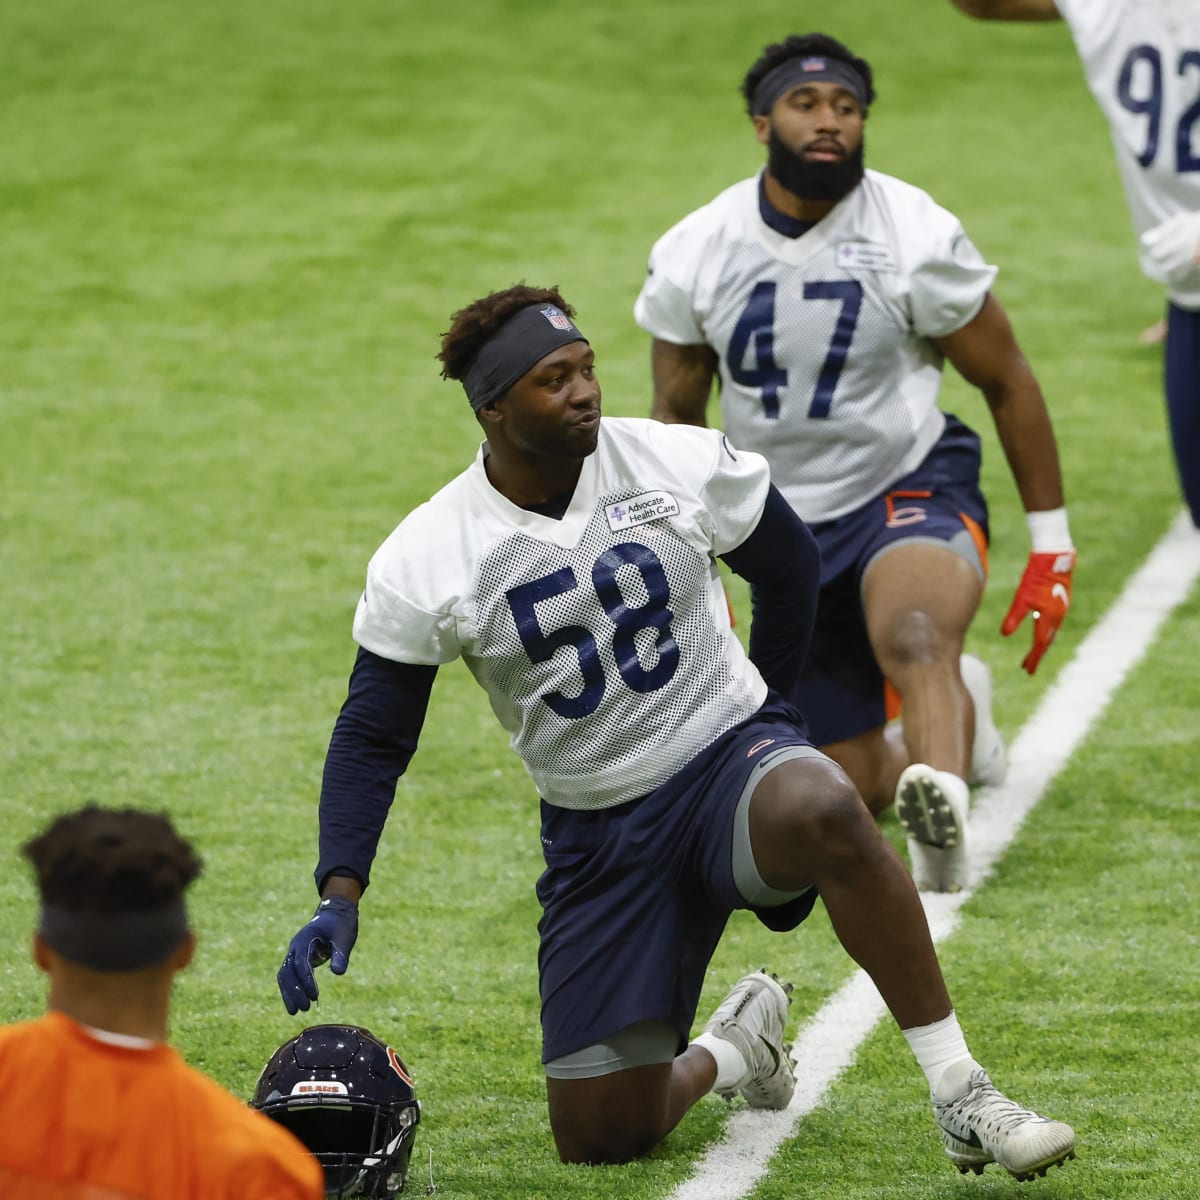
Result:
pixel 349 1098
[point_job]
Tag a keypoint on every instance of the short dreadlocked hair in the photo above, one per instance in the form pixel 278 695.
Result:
pixel 803 44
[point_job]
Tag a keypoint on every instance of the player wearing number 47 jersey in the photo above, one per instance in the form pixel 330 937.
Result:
pixel 1142 60
pixel 826 297
pixel 573 567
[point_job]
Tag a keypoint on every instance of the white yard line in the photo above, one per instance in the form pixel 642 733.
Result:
pixel 828 1044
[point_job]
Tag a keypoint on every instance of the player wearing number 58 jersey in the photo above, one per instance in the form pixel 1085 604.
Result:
pixel 1142 61
pixel 573 568
pixel 825 298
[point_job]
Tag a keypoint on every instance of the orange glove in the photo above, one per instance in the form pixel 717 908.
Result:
pixel 1045 591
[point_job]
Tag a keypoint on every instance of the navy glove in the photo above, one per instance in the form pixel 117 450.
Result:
pixel 331 934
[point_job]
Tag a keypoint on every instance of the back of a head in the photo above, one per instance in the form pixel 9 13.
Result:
pixel 349 1098
pixel 112 883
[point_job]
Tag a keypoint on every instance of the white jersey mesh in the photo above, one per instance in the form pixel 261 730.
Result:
pixel 603 639
pixel 826 362
pixel 1142 61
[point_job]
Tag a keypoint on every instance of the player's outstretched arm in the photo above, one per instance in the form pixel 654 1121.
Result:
pixel 373 741
pixel 1009 10
pixel 683 380
pixel 986 354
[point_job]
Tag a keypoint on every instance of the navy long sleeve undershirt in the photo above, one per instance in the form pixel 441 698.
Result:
pixel 782 564
pixel 373 740
pixel 377 729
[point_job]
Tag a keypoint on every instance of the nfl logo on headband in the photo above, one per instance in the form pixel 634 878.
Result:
pixel 813 64
pixel 557 318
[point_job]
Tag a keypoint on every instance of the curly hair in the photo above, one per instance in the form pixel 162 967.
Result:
pixel 797 45
pixel 473 325
pixel 111 860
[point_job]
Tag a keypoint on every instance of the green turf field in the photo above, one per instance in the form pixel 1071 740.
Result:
pixel 231 237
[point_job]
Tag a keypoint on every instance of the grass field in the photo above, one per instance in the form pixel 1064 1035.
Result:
pixel 231 237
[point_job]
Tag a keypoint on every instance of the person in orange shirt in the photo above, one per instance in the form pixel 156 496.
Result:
pixel 94 1104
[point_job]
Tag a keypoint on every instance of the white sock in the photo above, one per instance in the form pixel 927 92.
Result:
pixel 937 1047
pixel 731 1066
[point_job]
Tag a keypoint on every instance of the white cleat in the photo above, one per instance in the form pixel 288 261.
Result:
pixel 752 1017
pixel 936 869
pixel 989 760
pixel 983 1125
pixel 932 807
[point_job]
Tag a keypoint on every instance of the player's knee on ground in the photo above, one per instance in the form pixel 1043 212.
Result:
pixel 609 1119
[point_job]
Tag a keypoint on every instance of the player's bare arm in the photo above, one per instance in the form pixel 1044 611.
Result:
pixel 683 380
pixel 1009 10
pixel 986 354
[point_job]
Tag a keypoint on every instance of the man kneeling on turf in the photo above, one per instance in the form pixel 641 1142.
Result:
pixel 573 567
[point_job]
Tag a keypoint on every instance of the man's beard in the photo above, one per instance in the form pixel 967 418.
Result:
pixel 813 180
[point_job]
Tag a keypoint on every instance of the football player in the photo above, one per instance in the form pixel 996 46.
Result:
pixel 93 1101
pixel 573 566
pixel 1142 61
pixel 825 298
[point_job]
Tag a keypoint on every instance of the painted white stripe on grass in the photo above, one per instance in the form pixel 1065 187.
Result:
pixel 828 1044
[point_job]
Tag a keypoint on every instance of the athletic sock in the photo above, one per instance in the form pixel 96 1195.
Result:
pixel 938 1047
pixel 731 1066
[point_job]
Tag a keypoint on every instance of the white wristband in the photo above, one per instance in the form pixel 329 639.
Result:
pixel 1049 531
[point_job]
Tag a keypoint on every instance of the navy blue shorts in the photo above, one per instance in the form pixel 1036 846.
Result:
pixel 635 897
pixel 1182 381
pixel 841 691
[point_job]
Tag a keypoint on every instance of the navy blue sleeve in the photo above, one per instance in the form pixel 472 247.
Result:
pixel 373 740
pixel 782 564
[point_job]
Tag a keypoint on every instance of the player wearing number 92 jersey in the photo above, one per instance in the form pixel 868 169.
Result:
pixel 1142 61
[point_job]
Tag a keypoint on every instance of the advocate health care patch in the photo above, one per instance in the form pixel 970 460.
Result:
pixel 637 510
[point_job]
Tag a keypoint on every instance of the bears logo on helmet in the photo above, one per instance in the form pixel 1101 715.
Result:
pixel 349 1098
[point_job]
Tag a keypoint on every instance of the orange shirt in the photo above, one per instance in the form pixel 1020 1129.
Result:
pixel 81 1119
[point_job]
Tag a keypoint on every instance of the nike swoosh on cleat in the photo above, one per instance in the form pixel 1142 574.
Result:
pixel 771 1048
pixel 972 1141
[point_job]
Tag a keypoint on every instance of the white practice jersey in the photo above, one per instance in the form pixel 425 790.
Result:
pixel 1142 59
pixel 602 639
pixel 826 362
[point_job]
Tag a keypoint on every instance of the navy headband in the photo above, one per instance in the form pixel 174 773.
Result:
pixel 124 941
pixel 808 68
pixel 526 337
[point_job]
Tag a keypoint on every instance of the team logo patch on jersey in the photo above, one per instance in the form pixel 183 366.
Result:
pixel 637 510
pixel 867 256
pixel 557 318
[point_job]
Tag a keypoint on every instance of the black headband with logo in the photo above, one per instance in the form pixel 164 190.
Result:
pixel 527 336
pixel 807 68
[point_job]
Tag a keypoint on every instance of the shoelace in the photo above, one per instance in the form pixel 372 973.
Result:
pixel 999 1115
